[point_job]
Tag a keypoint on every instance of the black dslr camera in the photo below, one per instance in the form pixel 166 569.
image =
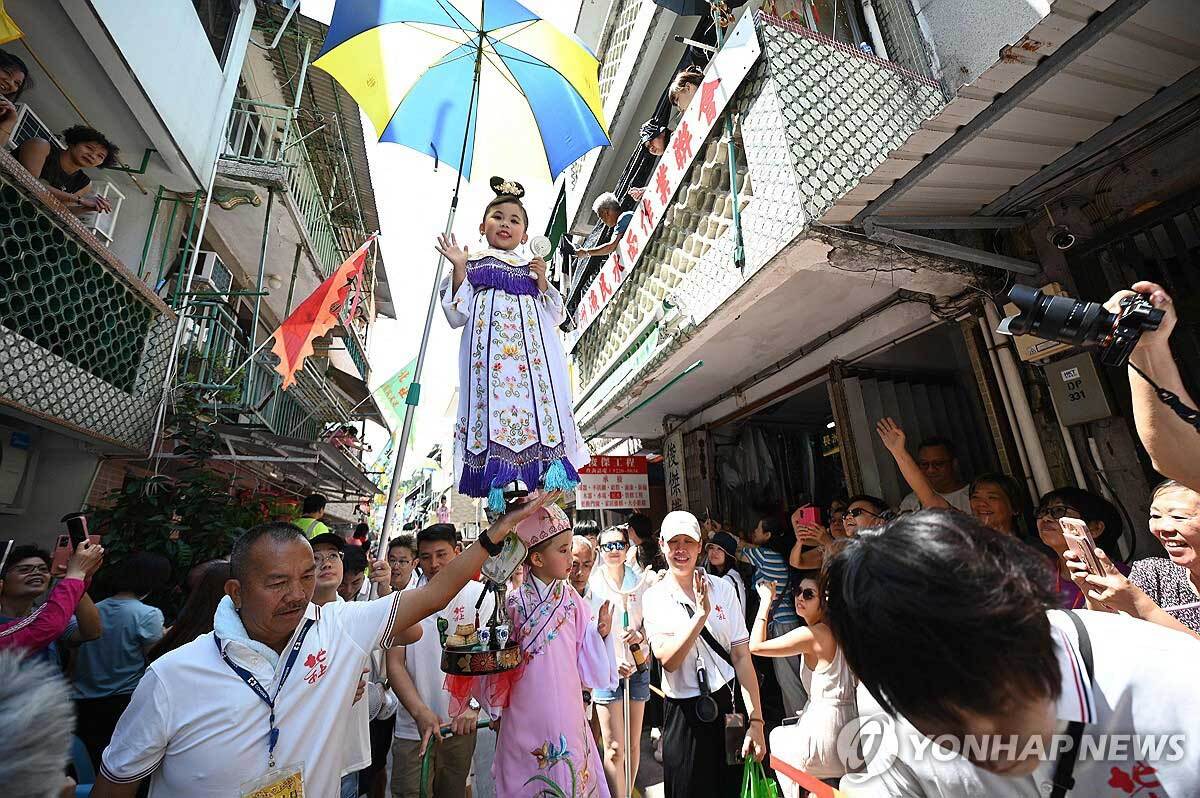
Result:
pixel 1085 324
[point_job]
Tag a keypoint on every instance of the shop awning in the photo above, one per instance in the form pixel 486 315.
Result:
pixel 1088 77
pixel 308 466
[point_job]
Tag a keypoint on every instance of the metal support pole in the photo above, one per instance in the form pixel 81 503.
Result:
pixel 262 265
pixel 414 391
pixel 287 308
pixel 739 245
pixel 303 74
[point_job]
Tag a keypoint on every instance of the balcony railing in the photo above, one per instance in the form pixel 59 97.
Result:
pixel 266 139
pixel 213 358
pixel 82 341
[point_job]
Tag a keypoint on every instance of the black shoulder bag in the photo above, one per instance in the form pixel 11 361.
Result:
pixel 707 709
pixel 1064 769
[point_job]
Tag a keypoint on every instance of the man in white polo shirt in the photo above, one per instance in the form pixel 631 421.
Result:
pixel 685 614
pixel 992 688
pixel 415 672
pixel 260 703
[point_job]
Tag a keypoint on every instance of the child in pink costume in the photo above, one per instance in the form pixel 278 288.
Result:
pixel 545 747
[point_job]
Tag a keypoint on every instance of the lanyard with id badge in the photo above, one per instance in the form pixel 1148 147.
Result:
pixel 277 782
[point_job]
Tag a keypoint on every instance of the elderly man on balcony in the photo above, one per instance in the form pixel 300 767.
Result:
pixel 608 208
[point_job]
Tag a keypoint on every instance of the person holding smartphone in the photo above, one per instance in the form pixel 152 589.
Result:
pixel 36 630
pixel 699 635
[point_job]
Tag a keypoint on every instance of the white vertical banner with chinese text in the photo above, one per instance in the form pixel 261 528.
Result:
pixel 725 72
pixel 614 483
pixel 673 472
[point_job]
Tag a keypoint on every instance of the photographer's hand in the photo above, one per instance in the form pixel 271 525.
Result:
pixel 1170 440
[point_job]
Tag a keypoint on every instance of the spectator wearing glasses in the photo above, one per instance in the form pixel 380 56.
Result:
pixel 36 630
pixel 1104 524
pixel 865 512
pixel 811 744
pixel 402 559
pixel 936 462
pixel 654 137
pixel 622 589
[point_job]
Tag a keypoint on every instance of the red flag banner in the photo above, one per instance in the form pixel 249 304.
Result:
pixel 316 316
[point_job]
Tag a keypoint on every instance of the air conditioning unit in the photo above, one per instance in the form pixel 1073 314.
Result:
pixel 211 274
pixel 29 126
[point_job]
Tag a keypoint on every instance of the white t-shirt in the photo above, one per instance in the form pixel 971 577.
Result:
pixel 665 617
pixel 202 732
pixel 959 499
pixel 1144 685
pixel 423 659
pixel 628 598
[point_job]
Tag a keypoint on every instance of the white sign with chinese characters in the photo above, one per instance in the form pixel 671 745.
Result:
pixel 724 74
pixel 614 483
pixel 673 472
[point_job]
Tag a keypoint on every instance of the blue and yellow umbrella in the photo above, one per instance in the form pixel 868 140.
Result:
pixel 477 83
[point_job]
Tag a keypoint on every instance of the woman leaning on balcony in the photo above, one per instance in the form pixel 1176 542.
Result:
pixel 14 79
pixel 62 170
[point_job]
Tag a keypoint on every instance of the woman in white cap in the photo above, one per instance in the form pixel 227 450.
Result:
pixel 698 633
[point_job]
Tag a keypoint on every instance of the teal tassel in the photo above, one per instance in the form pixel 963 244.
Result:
pixel 496 499
pixel 556 478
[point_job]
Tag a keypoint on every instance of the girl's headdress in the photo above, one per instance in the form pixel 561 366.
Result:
pixel 506 191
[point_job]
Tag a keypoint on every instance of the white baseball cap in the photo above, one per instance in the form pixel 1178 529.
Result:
pixel 680 522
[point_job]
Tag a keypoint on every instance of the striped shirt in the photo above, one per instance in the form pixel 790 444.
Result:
pixel 770 564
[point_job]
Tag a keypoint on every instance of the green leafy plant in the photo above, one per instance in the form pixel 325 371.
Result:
pixel 192 515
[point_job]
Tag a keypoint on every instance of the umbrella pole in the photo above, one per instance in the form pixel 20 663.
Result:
pixel 739 246
pixel 414 392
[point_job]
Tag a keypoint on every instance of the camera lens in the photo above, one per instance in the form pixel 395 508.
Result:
pixel 1059 318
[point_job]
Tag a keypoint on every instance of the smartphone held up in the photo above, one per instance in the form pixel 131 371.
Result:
pixel 1079 539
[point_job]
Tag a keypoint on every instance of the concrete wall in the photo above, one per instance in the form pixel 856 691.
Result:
pixel 967 35
pixel 164 46
pixel 57 478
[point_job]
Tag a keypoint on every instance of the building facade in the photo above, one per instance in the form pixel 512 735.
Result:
pixel 243 182
pixel 894 177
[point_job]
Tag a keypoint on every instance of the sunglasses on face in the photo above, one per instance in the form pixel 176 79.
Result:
pixel 857 511
pixel 1054 512
pixel 614 545
pixel 808 594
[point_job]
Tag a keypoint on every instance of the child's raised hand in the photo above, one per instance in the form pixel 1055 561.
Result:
pixel 448 247
pixel 604 618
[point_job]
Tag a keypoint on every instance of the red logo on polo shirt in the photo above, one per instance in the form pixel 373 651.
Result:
pixel 316 667
pixel 720 611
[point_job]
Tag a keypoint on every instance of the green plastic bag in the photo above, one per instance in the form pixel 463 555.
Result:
pixel 755 783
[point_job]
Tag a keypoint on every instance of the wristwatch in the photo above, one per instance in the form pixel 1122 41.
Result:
pixel 491 548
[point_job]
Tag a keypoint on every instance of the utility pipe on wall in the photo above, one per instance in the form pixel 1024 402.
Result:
pixel 989 343
pixel 1039 469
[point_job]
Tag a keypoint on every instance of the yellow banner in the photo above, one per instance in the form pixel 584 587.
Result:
pixel 8 29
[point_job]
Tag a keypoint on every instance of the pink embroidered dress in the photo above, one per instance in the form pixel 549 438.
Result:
pixel 545 747
pixel 514 412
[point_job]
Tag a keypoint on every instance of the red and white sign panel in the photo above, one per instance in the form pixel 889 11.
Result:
pixel 724 74
pixel 614 483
